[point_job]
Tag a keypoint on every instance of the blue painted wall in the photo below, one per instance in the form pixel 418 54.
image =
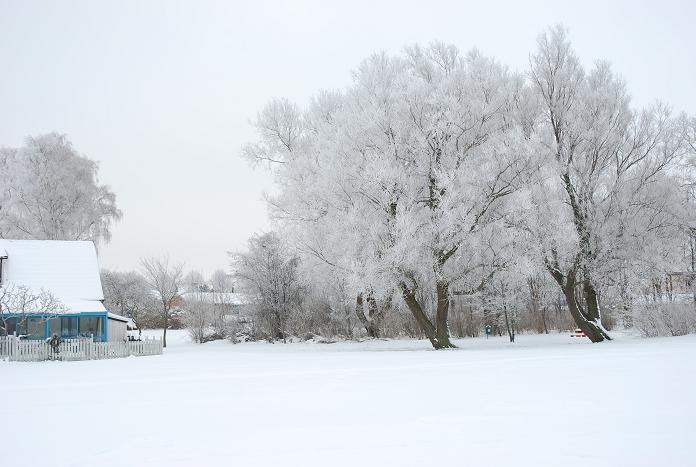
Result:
pixel 47 324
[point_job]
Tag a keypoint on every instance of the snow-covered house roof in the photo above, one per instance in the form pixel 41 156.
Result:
pixel 67 269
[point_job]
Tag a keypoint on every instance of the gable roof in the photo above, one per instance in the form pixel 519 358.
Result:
pixel 67 269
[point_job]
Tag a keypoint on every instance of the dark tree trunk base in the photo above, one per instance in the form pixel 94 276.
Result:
pixel 438 336
pixel 437 345
pixel 595 332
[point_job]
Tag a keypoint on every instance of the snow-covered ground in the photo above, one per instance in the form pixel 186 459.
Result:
pixel 544 401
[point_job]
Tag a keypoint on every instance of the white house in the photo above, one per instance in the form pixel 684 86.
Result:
pixel 69 272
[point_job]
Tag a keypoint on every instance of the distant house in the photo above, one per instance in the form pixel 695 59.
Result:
pixel 69 272
pixel 227 303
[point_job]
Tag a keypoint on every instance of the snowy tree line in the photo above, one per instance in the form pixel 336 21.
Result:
pixel 438 179
pixel 161 295
pixel 294 301
pixel 437 193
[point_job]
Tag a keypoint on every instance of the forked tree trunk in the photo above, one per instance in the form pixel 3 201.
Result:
pixel 438 333
pixel 375 316
pixel 372 323
pixel 589 320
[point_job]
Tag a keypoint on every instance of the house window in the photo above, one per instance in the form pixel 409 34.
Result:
pixel 10 326
pixel 91 326
pixel 21 328
pixel 68 327
pixel 54 327
pixel 36 328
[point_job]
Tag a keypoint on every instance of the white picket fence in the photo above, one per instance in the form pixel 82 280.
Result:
pixel 16 350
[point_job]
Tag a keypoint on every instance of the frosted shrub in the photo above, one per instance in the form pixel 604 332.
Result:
pixel 665 319
pixel 198 318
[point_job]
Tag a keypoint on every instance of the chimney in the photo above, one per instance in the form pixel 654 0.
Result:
pixel 3 257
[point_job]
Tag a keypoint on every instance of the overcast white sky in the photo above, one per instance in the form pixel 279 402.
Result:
pixel 161 92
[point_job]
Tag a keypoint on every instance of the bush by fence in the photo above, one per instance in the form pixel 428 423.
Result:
pixel 16 350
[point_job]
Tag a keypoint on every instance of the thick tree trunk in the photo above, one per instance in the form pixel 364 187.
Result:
pixel 438 337
pixel 590 324
pixel 591 301
pixel 442 313
pixel 588 319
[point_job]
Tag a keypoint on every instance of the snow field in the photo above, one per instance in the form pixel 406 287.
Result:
pixel 545 400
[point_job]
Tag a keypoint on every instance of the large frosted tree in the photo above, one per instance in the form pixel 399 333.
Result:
pixel 609 200
pixel 401 181
pixel 48 191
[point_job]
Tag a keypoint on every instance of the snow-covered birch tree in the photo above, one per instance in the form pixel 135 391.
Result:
pixel 49 191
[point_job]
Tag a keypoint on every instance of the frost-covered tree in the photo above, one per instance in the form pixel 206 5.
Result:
pixel 129 294
pixel 49 191
pixel 268 272
pixel 166 280
pixel 540 295
pixel 18 301
pixel 609 200
pixel 689 134
pixel 198 315
pixel 195 282
pixel 206 305
pixel 221 282
pixel 689 184
pixel 221 286
pixel 401 181
pixel 6 161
